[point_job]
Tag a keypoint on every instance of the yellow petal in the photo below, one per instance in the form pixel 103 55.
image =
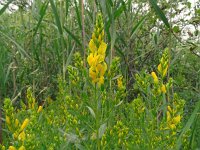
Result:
pixel 172 126
pixel 177 119
pixel 22 136
pixel 39 109
pixel 24 124
pixel 101 81
pixel 155 78
pixel 12 148
pixel 92 74
pixel 163 89
pixel 22 148
pixel 165 71
pixel 102 48
pixel 168 116
pixel 92 46
pixel 169 108
pixel 159 68
pixel 8 120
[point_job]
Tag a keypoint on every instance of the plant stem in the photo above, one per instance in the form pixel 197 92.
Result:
pixel 97 117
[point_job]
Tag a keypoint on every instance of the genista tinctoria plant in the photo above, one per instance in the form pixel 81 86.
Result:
pixel 96 58
pixel 156 113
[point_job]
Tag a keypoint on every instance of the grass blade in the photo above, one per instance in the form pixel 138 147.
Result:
pixel 43 10
pixel 73 36
pixel 137 26
pixel 56 17
pixel 188 124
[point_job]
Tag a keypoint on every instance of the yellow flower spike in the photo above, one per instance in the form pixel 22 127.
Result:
pixel 22 148
pixel 155 78
pixel 176 119
pixel 8 120
pixel 25 123
pixel 12 148
pixel 39 109
pixel 22 136
pixel 163 89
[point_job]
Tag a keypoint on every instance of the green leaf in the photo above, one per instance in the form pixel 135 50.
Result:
pixel 159 12
pixel 137 26
pixel 102 129
pixel 91 111
pixel 78 14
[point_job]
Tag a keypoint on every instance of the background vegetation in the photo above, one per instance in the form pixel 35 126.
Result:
pixel 37 46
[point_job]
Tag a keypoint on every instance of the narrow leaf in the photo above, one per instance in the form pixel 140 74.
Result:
pixel 56 16
pixel 72 35
pixel 91 111
pixel 137 26
pixel 102 129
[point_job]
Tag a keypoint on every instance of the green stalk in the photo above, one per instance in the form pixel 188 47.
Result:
pixel 97 117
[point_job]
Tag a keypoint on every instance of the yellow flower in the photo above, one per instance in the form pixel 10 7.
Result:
pixel 101 81
pixel 172 126
pixel 168 116
pixel 159 68
pixel 24 124
pixel 16 122
pixel 93 59
pixel 164 71
pixel 101 69
pixel 22 148
pixel 119 82
pixel 92 73
pixel 8 120
pixel 102 48
pixel 15 135
pixel 155 78
pixel 12 148
pixel 92 46
pixel 163 89
pixel 169 108
pixel 176 119
pixel 39 109
pixel 22 136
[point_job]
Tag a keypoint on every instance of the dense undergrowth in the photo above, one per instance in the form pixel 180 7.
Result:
pixel 126 88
